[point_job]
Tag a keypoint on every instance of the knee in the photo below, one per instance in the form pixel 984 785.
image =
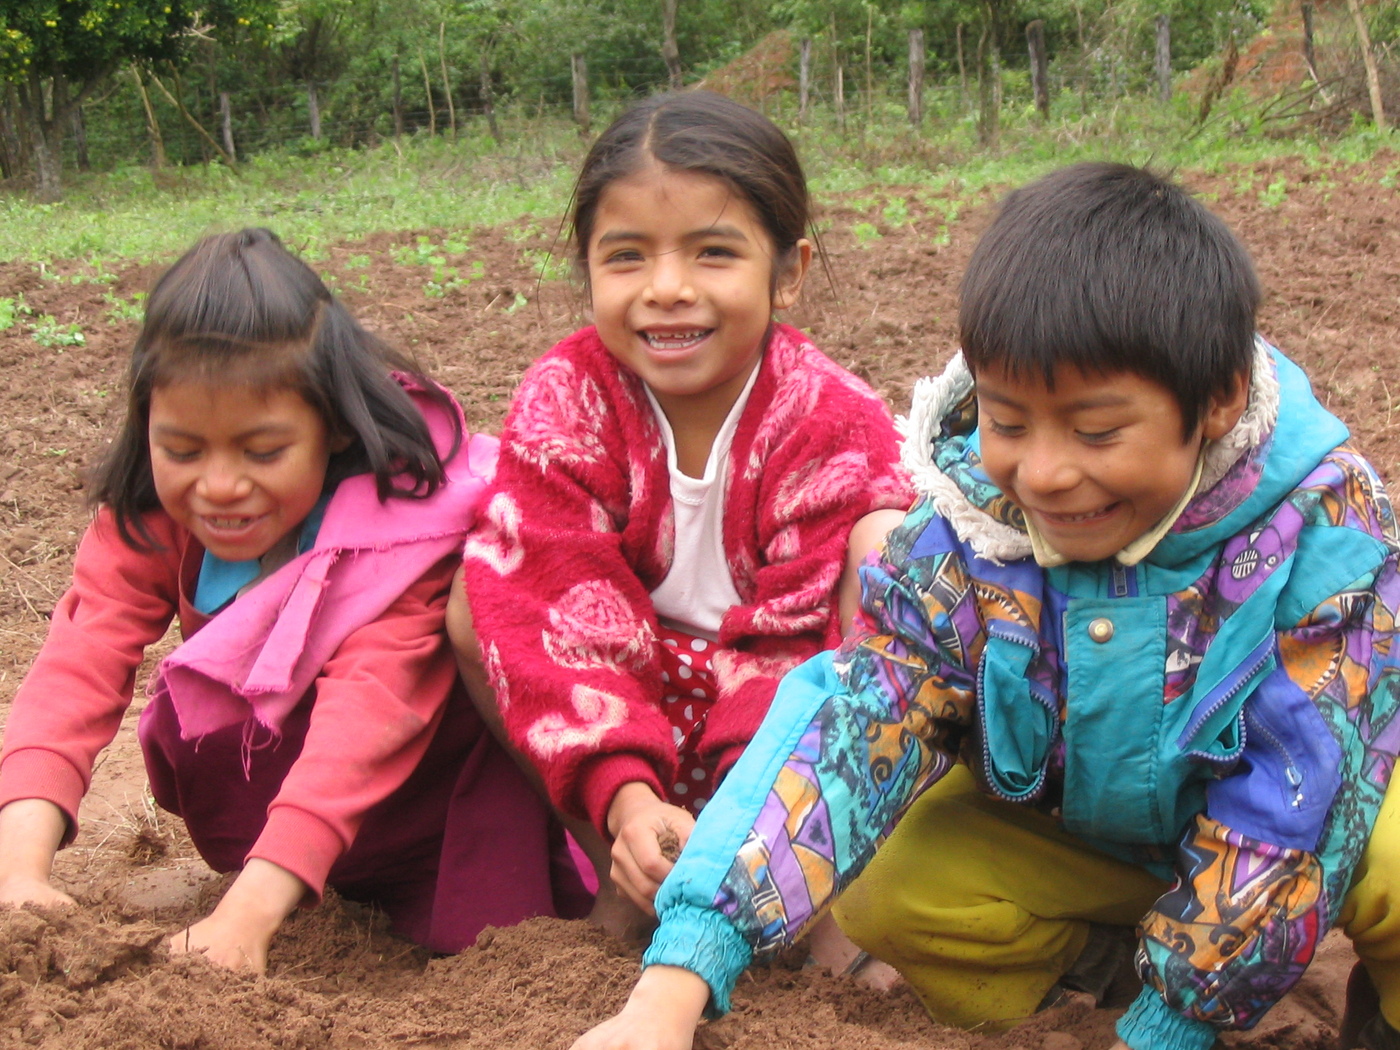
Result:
pixel 471 664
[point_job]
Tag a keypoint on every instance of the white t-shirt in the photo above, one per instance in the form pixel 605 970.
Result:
pixel 698 590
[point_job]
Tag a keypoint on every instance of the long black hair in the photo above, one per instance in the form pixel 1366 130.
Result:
pixel 239 309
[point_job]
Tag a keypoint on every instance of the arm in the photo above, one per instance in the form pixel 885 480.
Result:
pixel 72 700
pixel 851 739
pixel 554 574
pixel 839 462
pixel 1219 950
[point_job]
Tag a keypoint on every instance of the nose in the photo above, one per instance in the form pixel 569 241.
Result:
pixel 1047 467
pixel 669 282
pixel 223 480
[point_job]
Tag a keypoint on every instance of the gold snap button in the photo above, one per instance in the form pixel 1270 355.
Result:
pixel 1101 630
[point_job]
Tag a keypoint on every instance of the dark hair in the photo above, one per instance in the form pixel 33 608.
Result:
pixel 703 132
pixel 238 309
pixel 1112 269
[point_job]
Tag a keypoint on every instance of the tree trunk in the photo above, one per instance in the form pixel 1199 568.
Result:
pixel 962 71
pixel 428 88
pixel 226 125
pixel 1309 53
pixel 670 51
pixel 207 138
pixel 988 86
pixel 916 77
pixel 313 108
pixel 13 157
pixel 1373 78
pixel 804 79
pixel 578 70
pixel 1040 67
pixel 487 99
pixel 869 73
pixel 1163 63
pixel 80 139
pixel 398 100
pixel 446 84
pixel 158 160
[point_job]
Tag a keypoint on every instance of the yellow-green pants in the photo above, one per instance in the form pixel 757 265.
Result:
pixel 982 905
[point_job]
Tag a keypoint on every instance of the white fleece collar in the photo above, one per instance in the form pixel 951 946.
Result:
pixel 935 396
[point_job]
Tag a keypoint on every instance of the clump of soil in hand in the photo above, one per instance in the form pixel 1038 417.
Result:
pixel 670 844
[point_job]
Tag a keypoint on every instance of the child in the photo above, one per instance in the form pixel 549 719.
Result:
pixel 1127 661
pixel 677 485
pixel 299 507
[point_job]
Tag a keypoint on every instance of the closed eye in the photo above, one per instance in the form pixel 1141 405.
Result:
pixel 1098 437
pixel 1005 429
pixel 265 457
pixel 179 455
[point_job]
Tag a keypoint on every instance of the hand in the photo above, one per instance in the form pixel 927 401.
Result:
pixel 661 1014
pixel 238 932
pixel 640 824
pixel 30 831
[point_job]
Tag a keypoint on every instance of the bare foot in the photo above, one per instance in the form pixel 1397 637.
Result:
pixel 829 947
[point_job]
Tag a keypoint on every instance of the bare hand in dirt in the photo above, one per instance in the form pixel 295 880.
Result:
pixel 648 836
pixel 30 831
pixel 238 932
pixel 661 1014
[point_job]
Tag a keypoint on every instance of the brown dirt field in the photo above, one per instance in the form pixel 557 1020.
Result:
pixel 1329 256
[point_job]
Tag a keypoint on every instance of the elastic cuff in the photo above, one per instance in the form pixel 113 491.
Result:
pixel 36 772
pixel 601 778
pixel 704 942
pixel 303 844
pixel 1150 1024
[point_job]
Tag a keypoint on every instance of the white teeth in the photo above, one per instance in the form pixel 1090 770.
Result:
pixel 675 340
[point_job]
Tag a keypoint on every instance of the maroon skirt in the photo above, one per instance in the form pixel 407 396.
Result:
pixel 462 844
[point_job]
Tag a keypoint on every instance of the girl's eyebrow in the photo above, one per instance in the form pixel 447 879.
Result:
pixel 266 430
pixel 718 230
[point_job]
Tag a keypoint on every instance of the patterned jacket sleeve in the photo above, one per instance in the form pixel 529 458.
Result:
pixel 853 736
pixel 1262 873
pixel 825 454
pixel 564 621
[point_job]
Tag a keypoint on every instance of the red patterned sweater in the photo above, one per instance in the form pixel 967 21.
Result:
pixel 578 529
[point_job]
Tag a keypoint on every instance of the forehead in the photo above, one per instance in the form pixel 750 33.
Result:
pixel 1070 388
pixel 658 198
pixel 198 407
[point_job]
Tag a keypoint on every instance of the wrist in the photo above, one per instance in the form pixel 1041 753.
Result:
pixel 31 830
pixel 262 896
pixel 627 800
pixel 681 993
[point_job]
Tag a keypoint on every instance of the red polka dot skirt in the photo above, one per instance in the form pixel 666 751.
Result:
pixel 688 693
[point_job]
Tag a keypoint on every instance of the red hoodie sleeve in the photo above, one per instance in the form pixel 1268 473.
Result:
pixel 71 702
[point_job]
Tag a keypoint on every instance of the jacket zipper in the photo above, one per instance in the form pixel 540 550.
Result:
pixel 1225 698
pixel 1291 772
pixel 1034 789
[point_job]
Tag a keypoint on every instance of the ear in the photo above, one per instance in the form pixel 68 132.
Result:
pixel 789 284
pixel 340 442
pixel 1224 410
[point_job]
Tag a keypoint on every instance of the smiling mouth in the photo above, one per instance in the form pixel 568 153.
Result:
pixel 231 524
pixel 1088 517
pixel 676 340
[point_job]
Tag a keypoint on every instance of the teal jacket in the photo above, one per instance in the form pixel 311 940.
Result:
pixel 1236 733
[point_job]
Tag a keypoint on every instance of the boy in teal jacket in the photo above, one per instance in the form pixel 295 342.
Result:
pixel 1127 661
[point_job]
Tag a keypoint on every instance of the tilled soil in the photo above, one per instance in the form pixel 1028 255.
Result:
pixel 1328 251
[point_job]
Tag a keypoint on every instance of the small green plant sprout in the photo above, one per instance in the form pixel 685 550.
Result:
pixel 1275 193
pixel 447 279
pixel 896 212
pixel 519 301
pixel 357 262
pixel 11 310
pixel 865 233
pixel 547 265
pixel 119 309
pixel 47 332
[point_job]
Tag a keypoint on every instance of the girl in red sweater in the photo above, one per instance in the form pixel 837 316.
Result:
pixel 300 507
pixel 676 491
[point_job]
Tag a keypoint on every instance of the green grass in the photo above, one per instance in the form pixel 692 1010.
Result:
pixel 313 200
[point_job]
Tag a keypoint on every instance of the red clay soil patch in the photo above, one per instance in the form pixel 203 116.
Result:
pixel 1327 244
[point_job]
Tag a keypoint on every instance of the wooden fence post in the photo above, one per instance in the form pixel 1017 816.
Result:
pixel 841 98
pixel 1040 70
pixel 488 102
pixel 804 79
pixel 1163 61
pixel 916 77
pixel 226 124
pixel 578 66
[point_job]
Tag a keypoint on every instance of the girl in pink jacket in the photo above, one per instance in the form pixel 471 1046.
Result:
pixel 297 494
